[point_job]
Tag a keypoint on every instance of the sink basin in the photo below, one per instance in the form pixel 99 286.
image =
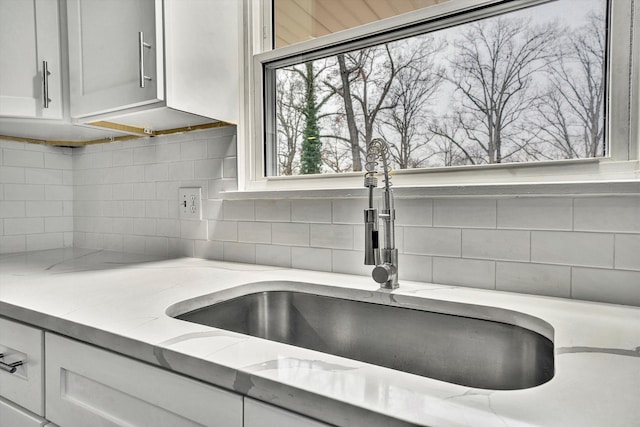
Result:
pixel 462 350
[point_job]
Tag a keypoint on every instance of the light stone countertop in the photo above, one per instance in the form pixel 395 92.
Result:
pixel 120 302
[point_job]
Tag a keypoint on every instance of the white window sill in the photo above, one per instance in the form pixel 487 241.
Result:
pixel 572 177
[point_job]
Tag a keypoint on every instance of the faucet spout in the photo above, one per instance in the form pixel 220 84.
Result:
pixel 385 259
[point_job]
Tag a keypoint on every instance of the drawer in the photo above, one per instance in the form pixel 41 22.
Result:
pixel 25 386
pixel 14 416
pixel 89 386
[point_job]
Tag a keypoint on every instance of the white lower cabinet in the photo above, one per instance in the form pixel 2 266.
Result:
pixel 12 415
pixel 21 375
pixel 88 386
pixel 259 414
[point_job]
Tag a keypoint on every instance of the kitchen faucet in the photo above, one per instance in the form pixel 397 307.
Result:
pixel 385 259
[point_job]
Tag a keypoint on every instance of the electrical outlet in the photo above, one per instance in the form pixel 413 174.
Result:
pixel 190 203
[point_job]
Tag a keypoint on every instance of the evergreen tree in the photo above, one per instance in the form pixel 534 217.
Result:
pixel 311 155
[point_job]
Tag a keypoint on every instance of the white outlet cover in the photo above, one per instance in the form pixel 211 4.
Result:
pixel 190 200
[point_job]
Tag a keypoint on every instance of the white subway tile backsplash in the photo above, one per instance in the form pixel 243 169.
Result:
pixel 464 272
pixel 23 158
pixel 254 232
pixel 350 262
pixel 196 230
pixel 133 244
pixel 538 279
pixel 311 210
pixel 168 152
pixel 157 208
pixel 122 157
pixel 145 155
pixel 179 171
pixel 413 267
pixel 505 245
pixel 156 172
pixel 56 160
pixel 331 236
pixel 145 191
pixel 223 231
pixel 279 256
pixel 168 227
pixel 477 213
pixel 24 192
pixel 613 214
pixel 10 244
pixel 113 242
pixel 239 252
pixel 144 226
pixel 292 234
pixel 44 208
pixel 134 208
pixel 12 175
pixel 65 192
pixel 230 167
pixel 208 249
pixel 578 249
pixel 39 242
pixel 14 226
pixel 43 176
pixel 348 211
pixel 192 150
pixel 181 248
pixel 432 241
pixel 12 209
pixel 122 191
pixel 156 245
pixel 311 258
pixel 613 286
pixel 627 251
pixel 208 168
pixel 273 210
pixel 239 210
pixel 125 226
pixel 126 199
pixel 414 212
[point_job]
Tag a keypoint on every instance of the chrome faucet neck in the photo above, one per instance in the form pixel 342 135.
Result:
pixel 385 259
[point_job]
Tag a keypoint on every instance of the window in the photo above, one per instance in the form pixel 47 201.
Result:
pixel 461 85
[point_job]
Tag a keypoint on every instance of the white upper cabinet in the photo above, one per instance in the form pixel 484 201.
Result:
pixel 30 65
pixel 154 64
pixel 113 53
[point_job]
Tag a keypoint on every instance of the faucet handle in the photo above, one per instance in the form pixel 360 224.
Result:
pixel 385 275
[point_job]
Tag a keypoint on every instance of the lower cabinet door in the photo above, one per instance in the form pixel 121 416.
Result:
pixel 89 386
pixel 11 415
pixel 259 414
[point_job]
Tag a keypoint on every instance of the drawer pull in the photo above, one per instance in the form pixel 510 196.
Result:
pixel 9 367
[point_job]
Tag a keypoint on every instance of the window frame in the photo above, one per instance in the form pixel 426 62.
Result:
pixel 622 105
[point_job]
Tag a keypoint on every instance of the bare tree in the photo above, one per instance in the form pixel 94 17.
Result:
pixel 290 121
pixel 493 71
pixel 411 94
pixel 572 115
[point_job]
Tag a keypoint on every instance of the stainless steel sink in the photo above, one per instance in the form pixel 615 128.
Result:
pixel 462 350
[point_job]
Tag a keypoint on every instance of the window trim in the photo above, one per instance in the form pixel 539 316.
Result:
pixel 623 133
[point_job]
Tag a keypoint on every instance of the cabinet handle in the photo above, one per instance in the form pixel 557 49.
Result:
pixel 142 45
pixel 9 367
pixel 45 84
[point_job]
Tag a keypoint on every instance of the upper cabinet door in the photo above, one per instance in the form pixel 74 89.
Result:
pixel 115 47
pixel 30 59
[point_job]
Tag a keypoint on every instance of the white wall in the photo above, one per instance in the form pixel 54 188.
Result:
pixel 125 198
pixel 126 193
pixel 571 247
pixel 36 197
